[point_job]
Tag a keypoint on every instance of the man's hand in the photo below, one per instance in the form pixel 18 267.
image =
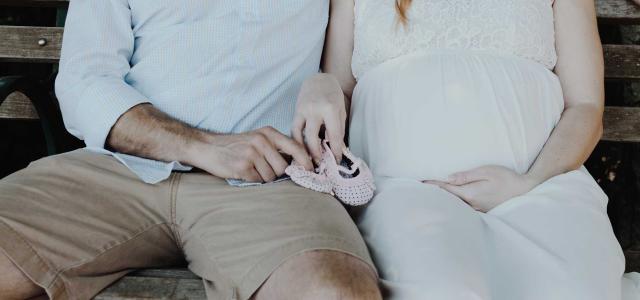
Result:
pixel 321 103
pixel 487 187
pixel 255 156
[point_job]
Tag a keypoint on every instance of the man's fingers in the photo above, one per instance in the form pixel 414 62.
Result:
pixel 312 137
pixel 275 160
pixel 252 175
pixel 264 169
pixel 335 134
pixel 291 147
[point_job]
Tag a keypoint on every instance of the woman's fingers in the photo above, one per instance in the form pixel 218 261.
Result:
pixel 466 177
pixel 464 192
pixel 435 182
pixel 297 129
pixel 312 137
pixel 459 190
pixel 335 134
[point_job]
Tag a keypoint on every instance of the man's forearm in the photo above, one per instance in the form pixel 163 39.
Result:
pixel 145 131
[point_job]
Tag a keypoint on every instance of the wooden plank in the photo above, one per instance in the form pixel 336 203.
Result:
pixel 622 61
pixel 622 124
pixel 35 3
pixel 21 43
pixel 181 273
pixel 17 106
pixel 130 288
pixel 618 11
pixel 610 11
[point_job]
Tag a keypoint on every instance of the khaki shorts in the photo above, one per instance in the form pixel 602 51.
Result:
pixel 77 222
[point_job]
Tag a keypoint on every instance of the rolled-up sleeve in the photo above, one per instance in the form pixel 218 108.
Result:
pixel 97 47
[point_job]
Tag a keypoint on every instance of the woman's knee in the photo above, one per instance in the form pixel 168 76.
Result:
pixel 408 210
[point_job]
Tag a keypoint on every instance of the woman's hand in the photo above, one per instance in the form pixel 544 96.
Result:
pixel 321 103
pixel 487 187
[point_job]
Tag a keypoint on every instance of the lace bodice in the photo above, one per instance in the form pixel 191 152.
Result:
pixel 519 27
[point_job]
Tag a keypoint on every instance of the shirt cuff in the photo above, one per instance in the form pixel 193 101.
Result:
pixel 100 107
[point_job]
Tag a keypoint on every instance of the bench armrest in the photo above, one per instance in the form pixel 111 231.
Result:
pixel 46 106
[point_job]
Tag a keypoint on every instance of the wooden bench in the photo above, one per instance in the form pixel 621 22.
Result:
pixel 25 99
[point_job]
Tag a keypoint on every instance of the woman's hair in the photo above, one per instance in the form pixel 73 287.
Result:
pixel 402 6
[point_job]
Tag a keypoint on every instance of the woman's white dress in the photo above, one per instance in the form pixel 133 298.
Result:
pixel 468 83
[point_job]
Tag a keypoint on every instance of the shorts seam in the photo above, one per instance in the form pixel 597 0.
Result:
pixel 213 270
pixel 174 186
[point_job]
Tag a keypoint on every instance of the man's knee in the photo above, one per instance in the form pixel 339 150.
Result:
pixel 14 284
pixel 322 274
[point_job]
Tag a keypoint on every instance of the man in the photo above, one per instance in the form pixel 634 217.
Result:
pixel 154 87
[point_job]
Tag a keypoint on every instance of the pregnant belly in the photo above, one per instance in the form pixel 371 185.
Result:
pixel 425 116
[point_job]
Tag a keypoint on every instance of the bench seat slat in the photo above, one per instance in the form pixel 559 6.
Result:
pixel 180 273
pixel 134 288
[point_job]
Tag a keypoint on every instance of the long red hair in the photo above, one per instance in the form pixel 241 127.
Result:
pixel 402 6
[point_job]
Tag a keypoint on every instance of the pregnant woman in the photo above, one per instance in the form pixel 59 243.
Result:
pixel 476 117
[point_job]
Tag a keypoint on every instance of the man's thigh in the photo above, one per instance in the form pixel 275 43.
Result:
pixel 74 223
pixel 236 237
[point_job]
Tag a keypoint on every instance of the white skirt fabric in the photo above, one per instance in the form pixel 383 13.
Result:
pixel 425 116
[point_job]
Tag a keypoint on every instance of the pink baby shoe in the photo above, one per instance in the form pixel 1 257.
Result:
pixel 351 182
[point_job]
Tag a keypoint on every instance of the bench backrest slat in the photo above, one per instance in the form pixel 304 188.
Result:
pixel 21 44
pixel 621 124
pixel 35 3
pixel 618 11
pixel 622 61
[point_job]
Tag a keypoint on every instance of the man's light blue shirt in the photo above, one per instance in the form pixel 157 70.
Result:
pixel 226 66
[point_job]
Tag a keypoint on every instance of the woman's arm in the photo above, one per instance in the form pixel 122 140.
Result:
pixel 338 49
pixel 581 71
pixel 324 99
